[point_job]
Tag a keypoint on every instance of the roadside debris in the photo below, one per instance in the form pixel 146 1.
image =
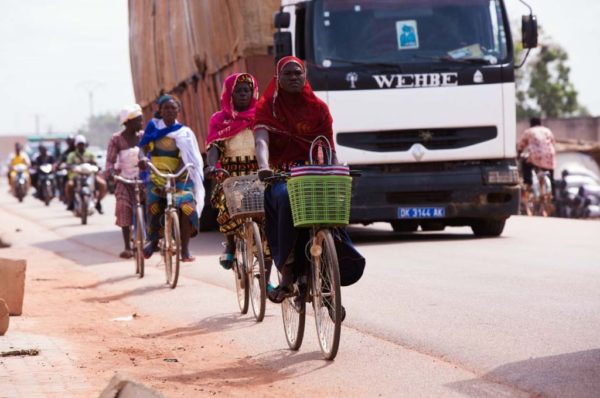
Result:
pixel 20 353
pixel 125 318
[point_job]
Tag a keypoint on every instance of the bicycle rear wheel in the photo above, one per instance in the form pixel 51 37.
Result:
pixel 240 275
pixel 293 311
pixel 172 248
pixel 138 241
pixel 327 299
pixel 256 272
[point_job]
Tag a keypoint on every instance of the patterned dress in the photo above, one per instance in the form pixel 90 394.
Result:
pixel 118 149
pixel 237 156
pixel 165 155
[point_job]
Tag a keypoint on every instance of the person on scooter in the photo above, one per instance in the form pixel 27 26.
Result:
pixel 79 156
pixel 42 158
pixel 15 158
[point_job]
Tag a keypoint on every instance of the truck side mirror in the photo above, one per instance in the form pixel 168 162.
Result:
pixel 529 31
pixel 283 44
pixel 281 20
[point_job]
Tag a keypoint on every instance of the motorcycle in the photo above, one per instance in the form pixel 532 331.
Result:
pixel 20 181
pixel 84 188
pixel 61 181
pixel 588 201
pixel 46 183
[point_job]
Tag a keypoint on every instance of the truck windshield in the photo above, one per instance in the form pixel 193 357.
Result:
pixel 409 31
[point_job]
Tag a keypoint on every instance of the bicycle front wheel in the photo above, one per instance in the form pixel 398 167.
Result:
pixel 327 299
pixel 293 311
pixel 138 241
pixel 172 249
pixel 240 275
pixel 256 271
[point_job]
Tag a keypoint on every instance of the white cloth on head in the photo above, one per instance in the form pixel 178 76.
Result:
pixel 130 112
pixel 80 139
pixel 186 142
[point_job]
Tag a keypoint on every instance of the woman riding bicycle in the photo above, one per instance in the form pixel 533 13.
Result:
pixel 122 158
pixel 170 145
pixel 230 142
pixel 289 117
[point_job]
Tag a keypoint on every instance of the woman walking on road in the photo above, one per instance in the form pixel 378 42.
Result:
pixel 230 142
pixel 170 145
pixel 122 158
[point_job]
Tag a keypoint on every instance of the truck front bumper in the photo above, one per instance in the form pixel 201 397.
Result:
pixel 464 189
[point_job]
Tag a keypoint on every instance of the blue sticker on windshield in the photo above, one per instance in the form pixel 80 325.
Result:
pixel 408 36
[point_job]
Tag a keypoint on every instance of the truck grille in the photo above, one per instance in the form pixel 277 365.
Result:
pixel 403 140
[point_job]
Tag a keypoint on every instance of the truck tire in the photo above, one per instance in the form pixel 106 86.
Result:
pixel 404 226
pixel 488 227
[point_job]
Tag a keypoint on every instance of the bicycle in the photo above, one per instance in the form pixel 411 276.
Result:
pixel 320 203
pixel 244 196
pixel 170 243
pixel 138 234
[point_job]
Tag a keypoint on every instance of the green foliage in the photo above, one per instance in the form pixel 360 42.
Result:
pixel 544 87
pixel 100 128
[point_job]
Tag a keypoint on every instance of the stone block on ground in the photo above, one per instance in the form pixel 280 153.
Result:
pixel 4 317
pixel 121 387
pixel 12 284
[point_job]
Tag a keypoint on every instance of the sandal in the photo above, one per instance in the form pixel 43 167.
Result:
pixel 126 254
pixel 280 293
pixel 150 248
pixel 226 260
pixel 187 259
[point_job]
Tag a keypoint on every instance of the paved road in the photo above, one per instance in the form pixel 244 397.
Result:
pixel 436 314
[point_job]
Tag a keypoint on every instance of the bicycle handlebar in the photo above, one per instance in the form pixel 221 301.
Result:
pixel 169 175
pixel 286 175
pixel 128 181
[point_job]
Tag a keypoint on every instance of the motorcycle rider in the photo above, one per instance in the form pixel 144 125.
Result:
pixel 78 156
pixel 61 160
pixel 42 158
pixel 15 158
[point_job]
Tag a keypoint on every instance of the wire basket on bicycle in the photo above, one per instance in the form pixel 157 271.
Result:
pixel 320 194
pixel 244 196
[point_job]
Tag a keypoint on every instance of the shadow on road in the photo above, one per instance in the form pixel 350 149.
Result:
pixel 262 369
pixel 105 244
pixel 383 236
pixel 108 281
pixel 135 292
pixel 567 375
pixel 212 324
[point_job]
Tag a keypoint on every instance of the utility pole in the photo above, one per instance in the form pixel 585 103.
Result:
pixel 90 87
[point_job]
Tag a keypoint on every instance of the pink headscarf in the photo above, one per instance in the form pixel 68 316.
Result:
pixel 228 122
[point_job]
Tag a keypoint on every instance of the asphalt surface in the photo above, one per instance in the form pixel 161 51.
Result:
pixel 436 314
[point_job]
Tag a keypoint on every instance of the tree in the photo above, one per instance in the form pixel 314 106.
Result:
pixel 100 128
pixel 544 87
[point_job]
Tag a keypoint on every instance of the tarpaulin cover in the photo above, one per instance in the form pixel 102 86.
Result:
pixel 188 47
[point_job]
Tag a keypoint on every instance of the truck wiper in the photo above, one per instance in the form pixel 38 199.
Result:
pixel 447 58
pixel 360 63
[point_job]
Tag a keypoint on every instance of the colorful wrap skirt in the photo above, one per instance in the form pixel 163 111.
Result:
pixel 236 167
pixel 156 202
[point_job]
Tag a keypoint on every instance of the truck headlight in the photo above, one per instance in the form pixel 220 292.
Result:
pixel 506 176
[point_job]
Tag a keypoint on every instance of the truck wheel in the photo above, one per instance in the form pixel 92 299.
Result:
pixel 488 227
pixel 404 226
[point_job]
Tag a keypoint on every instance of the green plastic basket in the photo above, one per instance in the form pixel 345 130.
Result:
pixel 320 200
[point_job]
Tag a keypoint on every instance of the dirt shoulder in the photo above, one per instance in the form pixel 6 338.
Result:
pixel 101 337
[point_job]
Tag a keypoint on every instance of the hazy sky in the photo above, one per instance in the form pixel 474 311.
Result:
pixel 52 52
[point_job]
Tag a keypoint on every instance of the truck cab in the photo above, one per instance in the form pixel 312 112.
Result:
pixel 422 96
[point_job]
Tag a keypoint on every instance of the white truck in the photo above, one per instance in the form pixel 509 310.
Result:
pixel 422 95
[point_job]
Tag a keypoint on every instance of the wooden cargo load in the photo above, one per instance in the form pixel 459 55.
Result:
pixel 188 47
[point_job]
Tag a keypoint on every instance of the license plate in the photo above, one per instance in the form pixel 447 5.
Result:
pixel 421 212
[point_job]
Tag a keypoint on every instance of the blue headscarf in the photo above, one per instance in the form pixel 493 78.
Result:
pixel 152 132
